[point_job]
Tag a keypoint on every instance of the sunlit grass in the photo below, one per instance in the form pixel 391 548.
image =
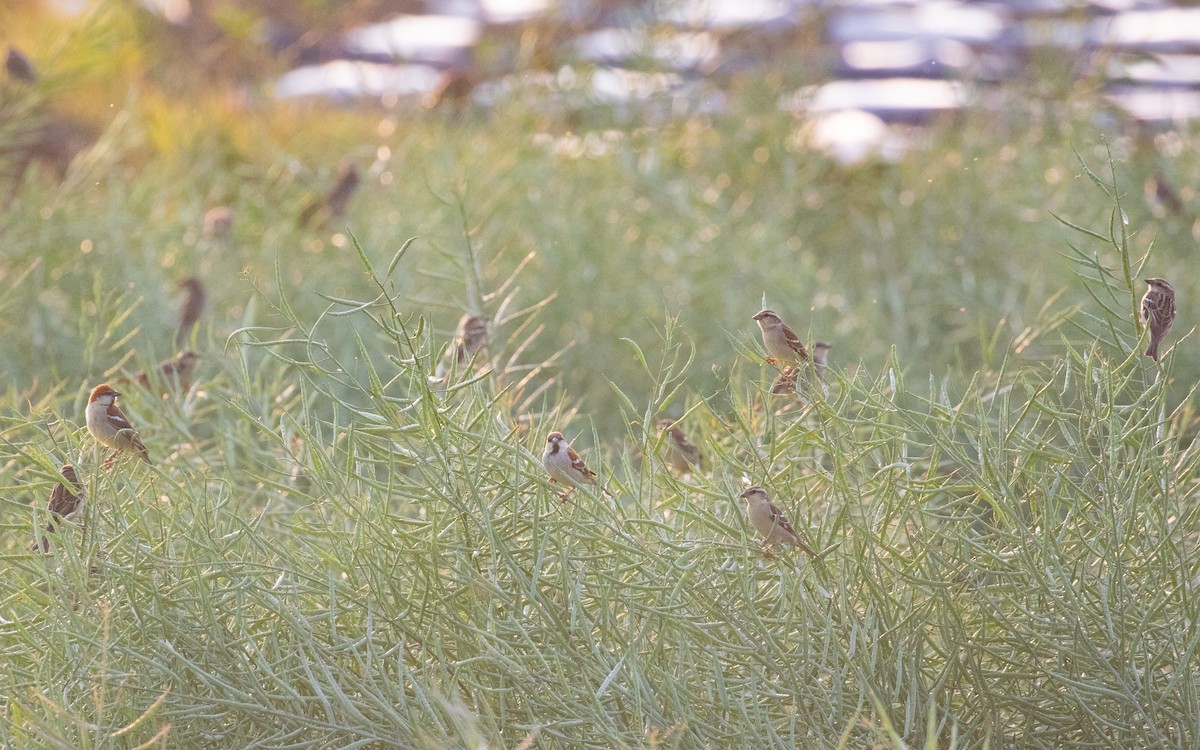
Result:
pixel 335 549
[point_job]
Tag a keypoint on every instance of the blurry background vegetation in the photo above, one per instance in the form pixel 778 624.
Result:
pixel 936 255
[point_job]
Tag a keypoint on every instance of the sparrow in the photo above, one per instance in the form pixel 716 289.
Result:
pixel 194 302
pixel 109 425
pixel 1158 312
pixel 472 337
pixel 820 356
pixel 174 373
pixel 343 189
pixel 1161 196
pixel 785 381
pixel 335 202
pixel 564 464
pixel 18 66
pixel 63 504
pixel 218 223
pixel 453 88
pixel 820 361
pixel 682 455
pixel 782 343
pixel 769 521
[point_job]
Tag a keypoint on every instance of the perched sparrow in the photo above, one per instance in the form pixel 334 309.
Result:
pixel 682 455
pixel 335 202
pixel 19 67
pixel 1158 312
pixel 218 223
pixel 769 520
pixel 343 189
pixel 109 425
pixel 472 337
pixel 453 88
pixel 820 361
pixel 782 343
pixel 820 355
pixel 194 301
pixel 785 381
pixel 297 451
pixel 174 373
pixel 563 463
pixel 63 504
pixel 1162 196
pixel 789 382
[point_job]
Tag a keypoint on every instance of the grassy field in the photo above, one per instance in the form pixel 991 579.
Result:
pixel 334 551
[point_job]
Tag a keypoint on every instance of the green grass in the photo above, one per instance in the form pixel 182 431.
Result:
pixel 334 551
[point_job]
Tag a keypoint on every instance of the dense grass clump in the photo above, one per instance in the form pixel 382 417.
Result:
pixel 344 542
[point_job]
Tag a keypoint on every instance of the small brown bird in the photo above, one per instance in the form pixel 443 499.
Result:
pixel 681 454
pixel 1158 312
pixel 218 223
pixel 769 521
pixel 333 205
pixel 472 338
pixel 785 382
pixel 54 144
pixel 19 67
pixel 109 425
pixel 789 382
pixel 194 302
pixel 173 374
pixel 820 357
pixel 564 464
pixel 815 374
pixel 1162 197
pixel 782 343
pixel 453 89
pixel 343 190
pixel 63 504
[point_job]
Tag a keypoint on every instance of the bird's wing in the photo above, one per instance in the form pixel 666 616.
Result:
pixel 578 465
pixel 794 341
pixel 62 502
pixel 781 520
pixel 117 418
